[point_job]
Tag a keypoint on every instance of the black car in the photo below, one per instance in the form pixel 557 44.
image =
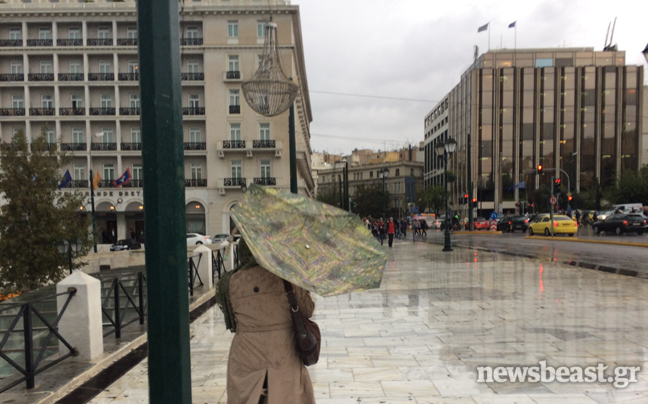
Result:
pixel 506 223
pixel 521 223
pixel 126 244
pixel 621 223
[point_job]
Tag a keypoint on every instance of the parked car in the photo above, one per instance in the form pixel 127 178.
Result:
pixel 621 223
pixel 219 238
pixel 480 223
pixel 197 239
pixel 521 223
pixel 561 225
pixel 506 223
pixel 126 244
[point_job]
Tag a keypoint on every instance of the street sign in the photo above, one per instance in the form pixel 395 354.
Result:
pixel 553 200
pixel 493 215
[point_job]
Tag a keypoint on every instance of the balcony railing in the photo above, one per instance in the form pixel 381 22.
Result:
pixel 71 111
pixel 192 76
pixel 71 76
pixel 128 76
pixel 127 41
pixel 263 144
pixel 193 110
pixel 233 144
pixel 11 42
pixel 233 74
pixel 233 182
pixel 102 111
pixel 131 146
pixel 40 42
pixel 196 183
pixel 100 41
pixel 12 112
pixel 234 109
pixel 79 184
pixel 191 41
pixel 40 76
pixel 105 184
pixel 134 184
pixel 12 77
pixel 195 146
pixel 74 146
pixel 265 181
pixel 101 76
pixel 129 111
pixel 69 42
pixel 41 111
pixel 104 146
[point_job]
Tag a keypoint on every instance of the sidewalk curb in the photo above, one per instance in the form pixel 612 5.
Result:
pixel 477 233
pixel 578 240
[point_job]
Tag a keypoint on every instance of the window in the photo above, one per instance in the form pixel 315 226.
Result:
pixel 133 66
pixel 104 66
pixel 261 28
pixel 107 135
pixel 79 172
pixel 398 172
pixel 106 100
pixel 15 34
pixel 137 172
pixel 196 171
pixel 233 63
pixel 74 33
pixel 47 101
pixel 136 135
pixel 370 174
pixel 44 33
pixel 193 66
pixel 77 135
pixel 236 168
pixel 46 67
pixel 49 136
pixel 131 33
pixel 235 131
pixel 77 100
pixel 544 62
pixel 234 97
pixel 103 33
pixel 194 101
pixel 192 32
pixel 195 135
pixel 134 100
pixel 264 131
pixel 265 169
pixel 108 172
pixel 16 68
pixel 75 67
pixel 232 29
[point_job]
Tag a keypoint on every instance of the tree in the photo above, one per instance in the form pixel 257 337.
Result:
pixel 434 198
pixel 371 200
pixel 35 217
pixel 327 195
pixel 630 188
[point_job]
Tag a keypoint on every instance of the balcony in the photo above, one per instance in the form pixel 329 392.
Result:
pixel 100 41
pixel 40 77
pixel 50 146
pixel 195 146
pixel 69 42
pixel 71 76
pixel 12 77
pixel 265 181
pixel 11 42
pixel 40 42
pixel 134 184
pixel 127 41
pixel 191 41
pixel 233 144
pixel 233 75
pixel 234 109
pixel 129 111
pixel 102 111
pixel 192 76
pixel 104 146
pixel 12 112
pixel 263 144
pixel 233 182
pixel 128 76
pixel 72 111
pixel 193 110
pixel 41 111
pixel 101 76
pixel 195 183
pixel 77 184
pixel 105 184
pixel 74 147
pixel 131 146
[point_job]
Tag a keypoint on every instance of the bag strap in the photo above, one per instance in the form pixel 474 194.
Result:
pixel 294 307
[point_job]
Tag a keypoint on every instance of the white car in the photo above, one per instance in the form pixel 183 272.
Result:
pixel 197 239
pixel 219 238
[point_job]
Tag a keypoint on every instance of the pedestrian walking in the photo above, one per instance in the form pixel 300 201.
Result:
pixel 578 215
pixel 417 228
pixel 397 228
pixel 404 227
pixel 390 231
pixel 381 231
pixel 263 365
pixel 424 227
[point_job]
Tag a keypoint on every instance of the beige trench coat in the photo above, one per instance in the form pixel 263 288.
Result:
pixel 263 344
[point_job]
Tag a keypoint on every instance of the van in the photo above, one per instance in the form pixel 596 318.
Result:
pixel 628 207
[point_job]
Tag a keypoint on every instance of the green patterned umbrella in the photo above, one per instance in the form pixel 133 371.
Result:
pixel 309 243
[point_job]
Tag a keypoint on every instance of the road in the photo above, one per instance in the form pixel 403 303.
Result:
pixel 627 260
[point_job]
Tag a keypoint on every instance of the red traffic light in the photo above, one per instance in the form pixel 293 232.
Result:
pixel 466 196
pixel 557 182
pixel 539 167
pixel 531 205
pixel 474 200
pixel 570 198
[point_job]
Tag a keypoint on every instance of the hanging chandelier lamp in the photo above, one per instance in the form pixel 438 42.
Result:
pixel 269 92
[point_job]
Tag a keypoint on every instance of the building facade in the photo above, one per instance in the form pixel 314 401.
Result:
pixel 69 69
pixel 576 112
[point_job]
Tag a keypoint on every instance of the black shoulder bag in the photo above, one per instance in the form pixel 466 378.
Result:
pixel 308 338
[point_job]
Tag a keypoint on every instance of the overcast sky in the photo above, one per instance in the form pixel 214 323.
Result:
pixel 399 57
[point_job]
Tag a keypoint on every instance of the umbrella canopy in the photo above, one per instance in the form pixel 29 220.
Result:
pixel 308 243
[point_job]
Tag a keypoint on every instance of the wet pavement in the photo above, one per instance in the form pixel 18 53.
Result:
pixel 437 316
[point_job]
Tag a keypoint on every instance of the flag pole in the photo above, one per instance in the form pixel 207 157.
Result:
pixel 515 37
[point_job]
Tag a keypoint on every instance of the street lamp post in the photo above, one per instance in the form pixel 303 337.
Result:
pixel 383 173
pixel 65 246
pixel 444 149
pixel 344 186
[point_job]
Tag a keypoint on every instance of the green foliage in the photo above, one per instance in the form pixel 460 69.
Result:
pixel 540 199
pixel 434 198
pixel 630 188
pixel 327 195
pixel 36 217
pixel 371 200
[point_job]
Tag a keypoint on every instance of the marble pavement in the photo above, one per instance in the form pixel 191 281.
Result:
pixel 436 317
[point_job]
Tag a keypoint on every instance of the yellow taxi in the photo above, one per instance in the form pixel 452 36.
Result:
pixel 561 225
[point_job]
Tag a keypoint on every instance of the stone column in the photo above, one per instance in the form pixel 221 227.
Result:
pixel 81 324
pixel 205 266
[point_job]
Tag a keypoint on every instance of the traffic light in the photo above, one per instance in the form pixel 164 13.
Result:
pixel 474 200
pixel 569 197
pixel 461 200
pixel 539 169
pixel 557 182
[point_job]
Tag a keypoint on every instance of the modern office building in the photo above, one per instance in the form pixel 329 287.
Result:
pixel 70 69
pixel 575 111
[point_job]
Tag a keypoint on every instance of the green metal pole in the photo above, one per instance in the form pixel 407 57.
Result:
pixel 293 150
pixel 164 197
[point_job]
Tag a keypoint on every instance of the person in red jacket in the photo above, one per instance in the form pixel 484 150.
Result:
pixel 390 231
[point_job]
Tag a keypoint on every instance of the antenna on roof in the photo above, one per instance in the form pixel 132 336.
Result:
pixel 608 45
pixel 606 36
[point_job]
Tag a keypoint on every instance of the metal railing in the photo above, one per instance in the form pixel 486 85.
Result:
pixel 131 146
pixel 128 76
pixel 234 109
pixel 104 146
pixel 71 76
pixel 134 184
pixel 194 276
pixel 127 41
pixel 129 111
pixel 40 42
pixel 28 313
pixel 193 110
pixel 100 42
pixel 265 181
pixel 40 76
pixel 263 144
pixel 12 77
pixel 11 42
pixel 189 182
pixel 191 41
pixel 132 289
pixel 74 146
pixel 105 184
pixel 195 145
pixel 41 111
pixel 71 111
pixel 233 144
pixel 233 182
pixel 233 74
pixel 101 76
pixel 192 76
pixel 69 42
pixel 12 112
pixel 218 265
pixel 102 111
